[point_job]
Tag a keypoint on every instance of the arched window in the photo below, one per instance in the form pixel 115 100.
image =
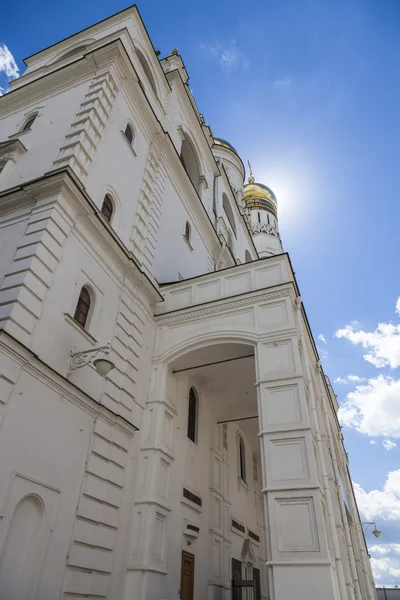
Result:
pixel 188 232
pixel 145 66
pixel 107 208
pixel 129 133
pixel 229 212
pixel 190 162
pixel 247 256
pixel 83 307
pixel 29 122
pixel 242 460
pixel 192 415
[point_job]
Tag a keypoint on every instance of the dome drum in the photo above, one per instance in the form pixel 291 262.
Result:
pixel 262 204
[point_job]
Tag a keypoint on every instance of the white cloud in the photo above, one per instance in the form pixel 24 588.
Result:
pixel 323 353
pixel 385 560
pixel 380 504
pixel 355 378
pixel 282 84
pixel 389 445
pixel 228 56
pixel 383 344
pixel 322 338
pixel 372 442
pixel 383 506
pixel 7 63
pixel 349 379
pixel 374 407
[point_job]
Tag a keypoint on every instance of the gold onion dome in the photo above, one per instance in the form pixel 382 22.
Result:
pixel 225 144
pixel 259 196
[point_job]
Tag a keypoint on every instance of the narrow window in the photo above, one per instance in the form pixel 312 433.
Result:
pixel 2 165
pixel 259 217
pixel 192 416
pixel 82 308
pixel 187 231
pixel 129 133
pixel 242 460
pixel 107 208
pixel 29 123
pixel 268 219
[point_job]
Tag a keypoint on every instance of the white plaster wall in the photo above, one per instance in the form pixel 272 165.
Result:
pixel 43 141
pixel 173 254
pixel 45 441
pixel 118 168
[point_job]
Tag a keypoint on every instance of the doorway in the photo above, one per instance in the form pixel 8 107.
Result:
pixel 187 576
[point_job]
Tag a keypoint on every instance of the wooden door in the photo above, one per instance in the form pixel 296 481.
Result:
pixel 187 576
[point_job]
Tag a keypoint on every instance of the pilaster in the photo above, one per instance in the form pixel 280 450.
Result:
pixel 297 548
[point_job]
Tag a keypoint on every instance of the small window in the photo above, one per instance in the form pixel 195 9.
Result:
pixel 107 208
pixel 83 307
pixel 247 256
pixel 188 232
pixel 242 460
pixel 129 134
pixel 192 415
pixel 29 123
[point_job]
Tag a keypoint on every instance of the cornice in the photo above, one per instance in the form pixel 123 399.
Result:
pixel 223 305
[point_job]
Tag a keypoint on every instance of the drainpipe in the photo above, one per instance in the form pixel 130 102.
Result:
pixel 338 481
pixel 314 415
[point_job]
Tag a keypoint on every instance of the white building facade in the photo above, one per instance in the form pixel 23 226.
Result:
pixel 209 462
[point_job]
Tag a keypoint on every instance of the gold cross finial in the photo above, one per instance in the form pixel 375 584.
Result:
pixel 251 178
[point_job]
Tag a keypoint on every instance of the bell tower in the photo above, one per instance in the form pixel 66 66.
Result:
pixel 262 205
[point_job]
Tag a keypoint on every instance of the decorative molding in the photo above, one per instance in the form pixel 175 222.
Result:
pixel 220 308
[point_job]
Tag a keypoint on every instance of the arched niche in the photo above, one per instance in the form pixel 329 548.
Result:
pixel 190 162
pixel 229 212
pixel 147 70
pixel 18 560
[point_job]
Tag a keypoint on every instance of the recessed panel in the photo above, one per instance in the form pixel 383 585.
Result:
pixel 282 406
pixel 273 315
pixel 207 292
pixel 237 284
pixel 276 357
pixel 289 459
pixel 297 530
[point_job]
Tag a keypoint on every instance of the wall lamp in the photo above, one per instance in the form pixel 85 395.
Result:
pixel 103 365
pixel 368 524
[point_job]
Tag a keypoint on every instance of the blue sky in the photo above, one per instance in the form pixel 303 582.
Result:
pixel 309 92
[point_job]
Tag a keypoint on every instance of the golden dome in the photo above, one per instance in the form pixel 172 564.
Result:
pixel 260 197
